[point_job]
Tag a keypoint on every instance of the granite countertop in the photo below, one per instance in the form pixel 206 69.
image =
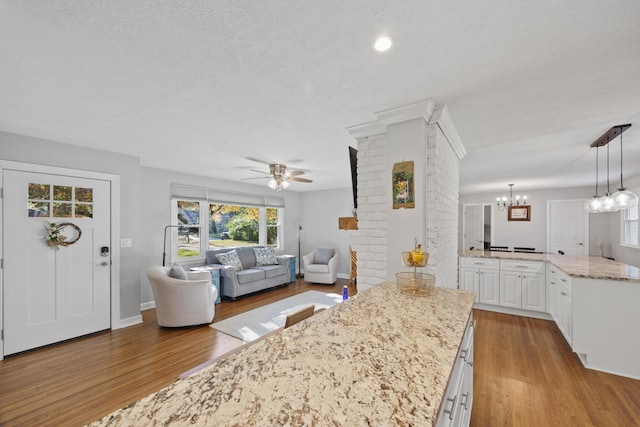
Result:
pixel 589 267
pixel 379 358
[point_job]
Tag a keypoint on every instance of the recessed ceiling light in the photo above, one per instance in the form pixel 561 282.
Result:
pixel 383 43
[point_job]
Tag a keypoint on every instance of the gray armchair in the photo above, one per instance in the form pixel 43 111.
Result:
pixel 321 266
pixel 182 302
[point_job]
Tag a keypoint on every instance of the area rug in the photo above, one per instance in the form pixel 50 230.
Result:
pixel 253 324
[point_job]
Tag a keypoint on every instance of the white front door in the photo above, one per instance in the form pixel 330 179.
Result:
pixel 473 227
pixel 568 227
pixel 52 295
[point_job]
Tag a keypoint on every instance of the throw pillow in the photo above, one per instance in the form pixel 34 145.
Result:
pixel 323 256
pixel 230 258
pixel 265 256
pixel 178 272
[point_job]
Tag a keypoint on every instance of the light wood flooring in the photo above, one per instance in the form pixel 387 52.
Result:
pixel 525 374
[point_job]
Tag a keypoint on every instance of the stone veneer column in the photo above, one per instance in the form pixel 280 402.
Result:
pixel 424 134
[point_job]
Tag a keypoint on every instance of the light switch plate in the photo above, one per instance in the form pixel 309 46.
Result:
pixel 125 243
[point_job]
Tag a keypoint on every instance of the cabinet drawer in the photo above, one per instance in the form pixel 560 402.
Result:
pixel 479 262
pixel 558 276
pixel 522 266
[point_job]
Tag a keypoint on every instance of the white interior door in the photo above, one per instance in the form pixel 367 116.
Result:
pixel 52 295
pixel 473 227
pixel 568 227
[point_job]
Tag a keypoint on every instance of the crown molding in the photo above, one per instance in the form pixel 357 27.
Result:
pixel 442 118
pixel 365 130
pixel 421 109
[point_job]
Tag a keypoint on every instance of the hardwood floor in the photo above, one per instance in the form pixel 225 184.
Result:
pixel 525 374
pixel 80 381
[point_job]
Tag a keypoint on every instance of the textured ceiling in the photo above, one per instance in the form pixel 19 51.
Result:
pixel 215 87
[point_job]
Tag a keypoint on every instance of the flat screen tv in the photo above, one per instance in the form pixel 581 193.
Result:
pixel 353 157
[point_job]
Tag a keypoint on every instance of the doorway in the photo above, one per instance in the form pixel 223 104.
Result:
pixel 57 255
pixel 567 228
pixel 477 226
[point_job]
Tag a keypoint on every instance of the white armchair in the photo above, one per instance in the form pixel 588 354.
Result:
pixel 318 270
pixel 182 302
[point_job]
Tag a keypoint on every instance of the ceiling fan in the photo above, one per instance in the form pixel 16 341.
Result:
pixel 279 177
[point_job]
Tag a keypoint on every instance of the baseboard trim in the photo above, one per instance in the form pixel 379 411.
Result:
pixel 130 321
pixel 147 305
pixel 514 311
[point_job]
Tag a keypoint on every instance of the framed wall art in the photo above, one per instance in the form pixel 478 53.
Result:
pixel 519 213
pixel 402 181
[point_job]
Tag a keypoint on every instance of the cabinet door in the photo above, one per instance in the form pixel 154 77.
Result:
pixel 489 287
pixel 469 280
pixel 533 292
pixel 553 294
pixel 510 289
pixel 566 320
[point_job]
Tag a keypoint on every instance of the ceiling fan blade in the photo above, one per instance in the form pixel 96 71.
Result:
pixel 295 173
pixel 293 178
pixel 259 171
pixel 256 177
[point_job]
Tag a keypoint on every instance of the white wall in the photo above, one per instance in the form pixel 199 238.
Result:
pixel 624 254
pixel 320 213
pixel 443 171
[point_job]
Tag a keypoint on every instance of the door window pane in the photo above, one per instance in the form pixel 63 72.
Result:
pixel 61 192
pixel 84 210
pixel 62 210
pixel 84 194
pixel 39 191
pixel 38 209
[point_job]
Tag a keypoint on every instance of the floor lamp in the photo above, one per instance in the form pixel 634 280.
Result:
pixel 299 258
pixel 164 243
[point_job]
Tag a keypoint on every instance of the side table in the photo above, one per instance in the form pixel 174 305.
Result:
pixel 292 267
pixel 215 278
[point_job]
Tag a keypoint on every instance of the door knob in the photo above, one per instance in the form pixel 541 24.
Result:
pixel 104 263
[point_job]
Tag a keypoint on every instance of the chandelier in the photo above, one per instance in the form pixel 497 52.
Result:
pixel 502 202
pixel 622 198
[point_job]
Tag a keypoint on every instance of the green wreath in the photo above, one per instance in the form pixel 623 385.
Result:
pixel 55 238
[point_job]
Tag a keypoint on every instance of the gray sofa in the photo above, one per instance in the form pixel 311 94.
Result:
pixel 251 278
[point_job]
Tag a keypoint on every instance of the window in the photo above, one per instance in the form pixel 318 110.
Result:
pixel 630 229
pixel 225 225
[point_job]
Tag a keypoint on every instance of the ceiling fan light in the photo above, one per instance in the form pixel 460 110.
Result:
pixel 624 199
pixel 273 184
pixel 285 184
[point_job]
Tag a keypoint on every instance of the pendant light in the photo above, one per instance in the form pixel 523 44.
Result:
pixel 594 204
pixel 608 204
pixel 623 199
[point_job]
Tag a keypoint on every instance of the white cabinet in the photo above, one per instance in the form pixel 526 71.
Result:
pixel 560 300
pixel 510 289
pixel 458 399
pixel 533 292
pixel 522 285
pixel 480 275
